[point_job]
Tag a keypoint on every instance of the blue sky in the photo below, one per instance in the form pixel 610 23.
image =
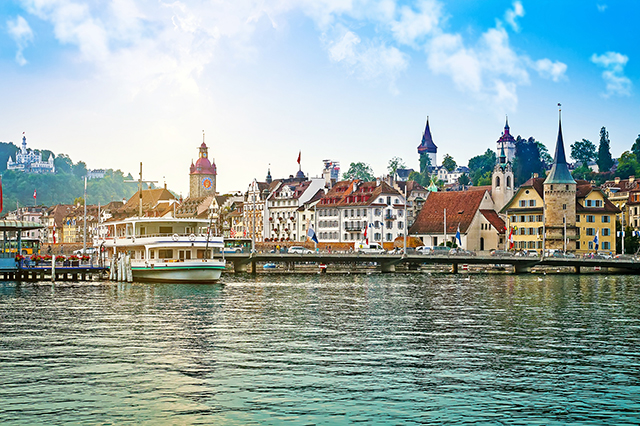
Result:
pixel 117 82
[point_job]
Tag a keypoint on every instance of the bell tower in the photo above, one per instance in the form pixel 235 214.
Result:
pixel 502 181
pixel 202 175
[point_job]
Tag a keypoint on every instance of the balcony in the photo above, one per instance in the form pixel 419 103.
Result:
pixel 390 216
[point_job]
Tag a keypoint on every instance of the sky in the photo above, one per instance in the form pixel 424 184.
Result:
pixel 118 82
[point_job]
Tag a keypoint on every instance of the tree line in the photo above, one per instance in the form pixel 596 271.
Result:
pixel 65 186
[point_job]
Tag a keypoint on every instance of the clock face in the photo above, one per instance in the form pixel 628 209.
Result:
pixel 207 183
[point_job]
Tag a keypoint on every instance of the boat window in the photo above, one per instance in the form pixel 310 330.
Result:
pixel 167 230
pixel 143 230
pixel 152 254
pixel 201 255
pixel 165 253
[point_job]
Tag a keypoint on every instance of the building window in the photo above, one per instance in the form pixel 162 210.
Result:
pixel 532 203
pixel 606 245
pixel 523 203
pixel 606 232
pixel 591 218
pixel 564 207
pixel 590 245
pixel 606 219
pixel 591 232
pixel 577 218
pixel 389 237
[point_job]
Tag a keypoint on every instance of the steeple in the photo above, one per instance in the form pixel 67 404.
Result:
pixel 502 160
pixel 427 144
pixel 560 170
pixel 269 178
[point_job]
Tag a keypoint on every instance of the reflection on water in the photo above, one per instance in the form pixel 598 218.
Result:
pixel 323 349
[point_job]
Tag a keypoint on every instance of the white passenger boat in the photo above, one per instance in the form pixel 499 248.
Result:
pixel 165 249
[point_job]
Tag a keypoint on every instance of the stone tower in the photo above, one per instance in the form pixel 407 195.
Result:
pixel 427 149
pixel 202 176
pixel 560 201
pixel 502 182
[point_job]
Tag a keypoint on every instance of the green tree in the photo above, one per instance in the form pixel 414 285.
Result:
pixel 80 169
pixel 627 165
pixel 635 148
pixel 360 171
pixel 583 151
pixel 394 164
pixel 425 163
pixel 449 163
pixel 583 172
pixel 605 161
pixel 464 179
pixel 63 163
pixel 545 157
pixel 7 149
pixel 480 165
pixel 527 160
pixel 485 179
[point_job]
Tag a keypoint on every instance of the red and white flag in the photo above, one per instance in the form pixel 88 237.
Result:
pixel 34 194
pixel 366 238
pixel 510 237
pixel 54 235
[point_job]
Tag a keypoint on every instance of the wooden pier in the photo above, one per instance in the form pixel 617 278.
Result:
pixel 62 273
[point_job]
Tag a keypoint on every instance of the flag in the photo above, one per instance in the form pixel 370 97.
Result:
pixel 366 238
pixel 0 193
pixel 458 236
pixel 233 233
pixel 596 240
pixel 299 154
pixel 312 234
pixel 34 194
pixel 510 238
pixel 54 235
pixel 244 233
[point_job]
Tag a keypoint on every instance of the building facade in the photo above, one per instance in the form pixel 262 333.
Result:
pixel 202 175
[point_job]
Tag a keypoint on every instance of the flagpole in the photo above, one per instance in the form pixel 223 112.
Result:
pixel 406 228
pixel 84 236
pixel 445 227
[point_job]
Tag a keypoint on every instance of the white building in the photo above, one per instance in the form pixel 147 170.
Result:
pixel 30 161
pixel 350 207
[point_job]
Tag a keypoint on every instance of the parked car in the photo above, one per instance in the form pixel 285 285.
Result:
pixel 373 248
pixel 424 250
pixel 461 252
pixel 500 253
pixel 299 250
pixel 532 253
pixel 440 250
pixel 236 249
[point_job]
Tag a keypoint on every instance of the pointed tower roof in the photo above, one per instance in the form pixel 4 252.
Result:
pixel 560 170
pixel 427 144
pixel 506 135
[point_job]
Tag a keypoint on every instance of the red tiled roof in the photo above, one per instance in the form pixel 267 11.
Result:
pixel 494 220
pixel 461 207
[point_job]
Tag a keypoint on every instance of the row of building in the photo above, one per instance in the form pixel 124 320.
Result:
pixel 555 212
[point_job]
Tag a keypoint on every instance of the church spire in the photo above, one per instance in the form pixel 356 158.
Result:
pixel 427 144
pixel 560 170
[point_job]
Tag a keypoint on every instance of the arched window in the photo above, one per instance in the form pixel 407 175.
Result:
pixel 497 181
pixel 508 181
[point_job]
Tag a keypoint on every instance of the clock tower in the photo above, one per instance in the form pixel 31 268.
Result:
pixel 202 176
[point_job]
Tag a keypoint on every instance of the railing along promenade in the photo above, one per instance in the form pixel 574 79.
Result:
pixel 244 262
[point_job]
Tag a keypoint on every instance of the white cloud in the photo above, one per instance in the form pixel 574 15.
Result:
pixel 511 15
pixel 21 33
pixel 490 68
pixel 414 25
pixel 602 7
pixel 548 69
pixel 369 61
pixel 616 82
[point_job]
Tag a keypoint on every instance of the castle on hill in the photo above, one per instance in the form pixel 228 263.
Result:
pixel 30 161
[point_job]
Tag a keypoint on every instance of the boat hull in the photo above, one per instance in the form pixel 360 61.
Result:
pixel 177 273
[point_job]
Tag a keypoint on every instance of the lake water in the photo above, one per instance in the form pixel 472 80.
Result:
pixel 324 349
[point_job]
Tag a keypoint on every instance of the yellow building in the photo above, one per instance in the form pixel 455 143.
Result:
pixel 558 213
pixel 595 215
